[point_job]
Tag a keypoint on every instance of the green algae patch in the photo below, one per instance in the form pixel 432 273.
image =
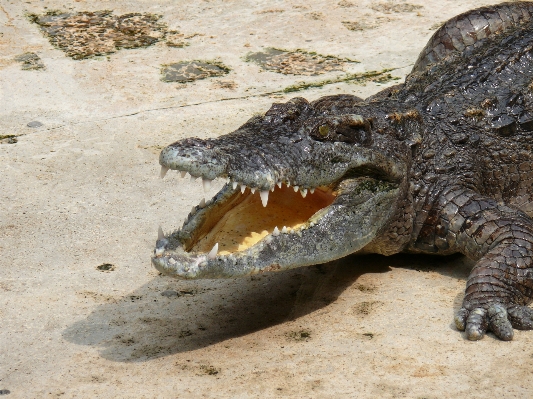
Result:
pixel 297 62
pixel 380 77
pixel 189 71
pixel 30 61
pixel 93 33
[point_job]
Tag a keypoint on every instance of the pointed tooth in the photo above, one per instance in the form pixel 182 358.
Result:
pixel 268 239
pixel 312 190
pixel 296 188
pixel 303 192
pixel 235 184
pixel 160 234
pixel 243 189
pixel 279 184
pixel 284 229
pixel 202 203
pixel 275 233
pixel 264 197
pixel 163 172
pixel 272 189
pixel 193 211
pixel 193 178
pixel 213 253
pixel 183 174
pixel 207 184
pixel 288 183
pixel 252 189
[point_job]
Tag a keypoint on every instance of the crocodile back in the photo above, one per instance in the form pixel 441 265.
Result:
pixel 466 30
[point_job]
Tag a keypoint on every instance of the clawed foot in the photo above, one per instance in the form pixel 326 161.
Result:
pixel 497 318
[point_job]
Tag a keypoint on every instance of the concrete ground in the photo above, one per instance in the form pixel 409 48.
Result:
pixel 83 313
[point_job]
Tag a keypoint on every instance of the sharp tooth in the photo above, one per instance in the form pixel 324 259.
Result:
pixel 304 192
pixel 275 233
pixel 183 174
pixel 252 189
pixel 193 178
pixel 272 189
pixel 264 197
pixel 160 234
pixel 279 184
pixel 213 253
pixel 312 190
pixel 164 171
pixel 243 189
pixel 288 183
pixel 296 188
pixel 284 229
pixel 235 184
pixel 193 211
pixel 207 184
pixel 202 203
pixel 268 239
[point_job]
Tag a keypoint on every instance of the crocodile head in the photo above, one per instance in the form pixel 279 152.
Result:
pixel 308 183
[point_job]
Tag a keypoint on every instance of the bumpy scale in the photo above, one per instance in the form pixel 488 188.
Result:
pixel 440 164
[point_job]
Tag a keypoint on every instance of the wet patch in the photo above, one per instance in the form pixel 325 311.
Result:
pixel 209 370
pixel 86 34
pixel 173 293
pixel 345 4
pixel 301 335
pixel 358 25
pixel 8 139
pixel 225 84
pixel 317 16
pixel 390 7
pixel 188 71
pixel 365 308
pixel 30 61
pixel 177 39
pixel 298 62
pixel 106 267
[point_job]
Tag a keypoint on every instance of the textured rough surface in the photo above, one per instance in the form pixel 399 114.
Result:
pixel 80 190
pixel 440 164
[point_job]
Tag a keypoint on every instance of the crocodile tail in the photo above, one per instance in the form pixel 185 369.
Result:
pixel 462 32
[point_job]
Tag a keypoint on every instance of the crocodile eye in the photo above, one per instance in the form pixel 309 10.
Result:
pixel 323 130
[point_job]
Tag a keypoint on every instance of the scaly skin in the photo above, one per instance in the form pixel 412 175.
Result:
pixel 440 164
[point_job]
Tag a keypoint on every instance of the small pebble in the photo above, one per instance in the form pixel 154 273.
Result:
pixel 170 293
pixel 34 124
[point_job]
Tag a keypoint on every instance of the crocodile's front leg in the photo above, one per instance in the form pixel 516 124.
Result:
pixel 500 238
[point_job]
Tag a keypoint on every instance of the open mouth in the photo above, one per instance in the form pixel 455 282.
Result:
pixel 239 218
pixel 248 219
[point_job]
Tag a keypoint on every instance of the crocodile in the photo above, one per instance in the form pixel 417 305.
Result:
pixel 439 164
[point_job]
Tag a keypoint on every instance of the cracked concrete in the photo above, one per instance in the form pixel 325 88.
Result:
pixel 80 189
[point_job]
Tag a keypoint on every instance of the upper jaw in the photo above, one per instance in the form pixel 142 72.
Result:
pixel 313 166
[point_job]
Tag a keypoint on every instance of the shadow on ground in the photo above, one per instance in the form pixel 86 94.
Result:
pixel 145 324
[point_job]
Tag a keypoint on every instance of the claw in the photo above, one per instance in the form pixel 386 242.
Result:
pixel 499 323
pixel 476 324
pixel 460 319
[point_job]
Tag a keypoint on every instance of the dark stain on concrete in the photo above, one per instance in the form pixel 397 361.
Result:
pixel 297 62
pixel 86 34
pixel 30 61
